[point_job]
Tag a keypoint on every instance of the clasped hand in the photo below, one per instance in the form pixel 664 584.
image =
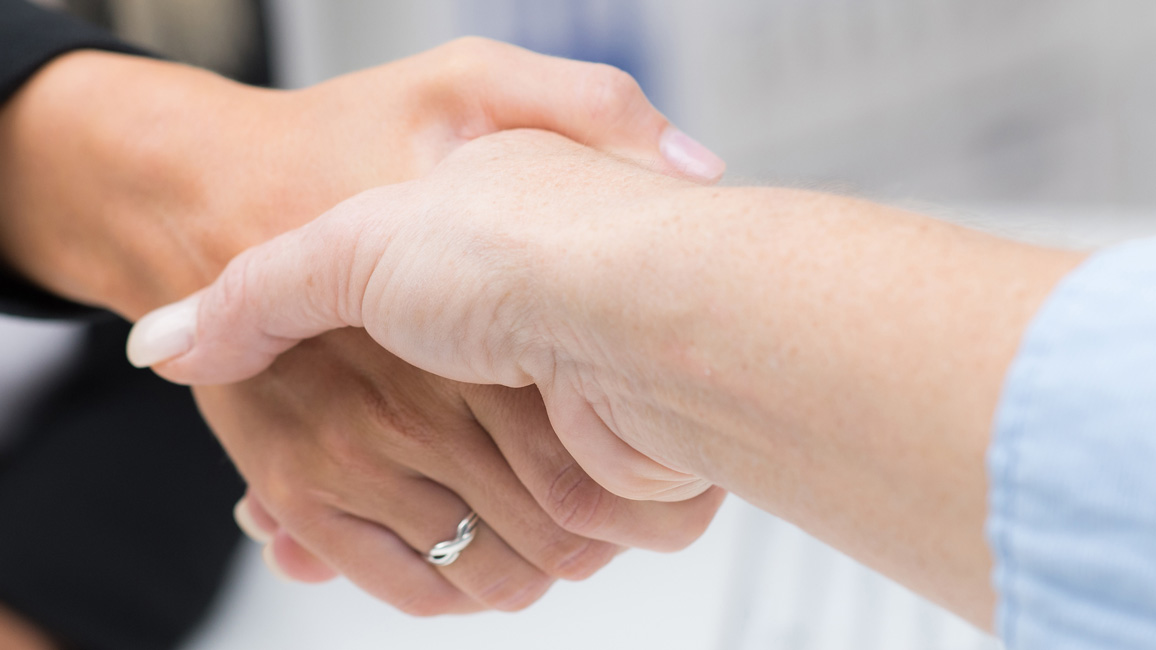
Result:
pixel 357 461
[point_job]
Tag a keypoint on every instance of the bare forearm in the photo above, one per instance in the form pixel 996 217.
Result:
pixel 91 167
pixel 128 182
pixel 833 361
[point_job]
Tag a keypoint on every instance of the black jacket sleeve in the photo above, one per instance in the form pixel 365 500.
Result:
pixel 29 38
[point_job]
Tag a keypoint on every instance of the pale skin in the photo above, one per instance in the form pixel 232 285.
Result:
pixel 833 361
pixel 128 183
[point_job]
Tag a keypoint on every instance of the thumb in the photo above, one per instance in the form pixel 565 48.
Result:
pixel 267 299
pixel 593 104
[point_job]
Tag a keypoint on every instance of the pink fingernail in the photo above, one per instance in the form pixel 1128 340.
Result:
pixel 690 156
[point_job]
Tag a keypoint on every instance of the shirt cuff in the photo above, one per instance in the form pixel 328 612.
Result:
pixel 1072 464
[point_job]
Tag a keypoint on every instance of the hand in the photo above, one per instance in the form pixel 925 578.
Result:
pixel 396 459
pixel 462 307
pixel 156 174
pixel 157 193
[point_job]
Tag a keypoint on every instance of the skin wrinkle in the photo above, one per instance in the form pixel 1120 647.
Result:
pixel 368 246
pixel 560 498
pixel 379 277
pixel 505 270
pixel 585 557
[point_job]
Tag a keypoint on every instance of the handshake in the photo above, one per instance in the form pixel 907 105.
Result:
pixel 458 386
pixel 437 401
pixel 475 320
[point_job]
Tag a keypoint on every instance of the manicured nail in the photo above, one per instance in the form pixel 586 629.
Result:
pixel 690 156
pixel 272 565
pixel 248 525
pixel 163 334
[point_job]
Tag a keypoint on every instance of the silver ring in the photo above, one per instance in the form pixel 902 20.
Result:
pixel 447 552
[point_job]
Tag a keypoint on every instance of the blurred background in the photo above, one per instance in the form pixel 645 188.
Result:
pixel 1045 101
pixel 1034 118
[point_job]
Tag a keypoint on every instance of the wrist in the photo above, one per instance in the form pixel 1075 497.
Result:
pixel 621 309
pixel 103 173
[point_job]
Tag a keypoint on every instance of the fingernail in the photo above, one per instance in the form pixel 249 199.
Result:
pixel 163 334
pixel 248 525
pixel 271 564
pixel 690 156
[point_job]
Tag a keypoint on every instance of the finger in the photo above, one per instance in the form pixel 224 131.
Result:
pixel 283 555
pixel 266 300
pixel 494 574
pixel 488 570
pixel 383 565
pixel 594 104
pixel 290 561
pixel 260 529
pixel 312 280
pixel 608 459
pixel 473 467
pixel 520 427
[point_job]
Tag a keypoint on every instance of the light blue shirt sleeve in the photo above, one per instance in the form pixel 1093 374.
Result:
pixel 1072 464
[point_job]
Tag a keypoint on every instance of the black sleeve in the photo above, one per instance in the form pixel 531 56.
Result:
pixel 116 525
pixel 29 38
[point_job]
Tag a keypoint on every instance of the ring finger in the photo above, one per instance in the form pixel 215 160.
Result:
pixel 488 569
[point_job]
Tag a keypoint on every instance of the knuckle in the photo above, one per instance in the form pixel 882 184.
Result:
pixel 280 495
pixel 576 503
pixel 610 94
pixel 461 60
pixel 342 450
pixel 292 489
pixel 471 47
pixel 399 429
pixel 293 504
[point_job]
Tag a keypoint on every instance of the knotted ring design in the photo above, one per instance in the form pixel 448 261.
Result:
pixel 447 552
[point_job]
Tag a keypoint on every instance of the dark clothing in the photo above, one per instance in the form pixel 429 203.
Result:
pixel 31 36
pixel 116 500
pixel 116 523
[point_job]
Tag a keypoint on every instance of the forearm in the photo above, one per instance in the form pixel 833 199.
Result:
pixel 833 361
pixel 128 182
pixel 104 160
